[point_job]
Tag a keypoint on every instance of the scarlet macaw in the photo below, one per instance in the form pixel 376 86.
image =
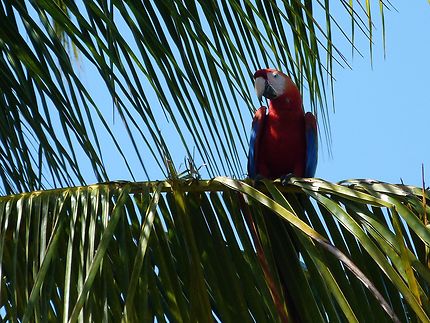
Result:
pixel 284 140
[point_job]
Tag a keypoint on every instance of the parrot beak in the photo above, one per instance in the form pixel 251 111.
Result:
pixel 263 88
pixel 260 86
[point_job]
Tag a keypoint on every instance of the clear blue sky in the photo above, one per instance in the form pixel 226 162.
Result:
pixel 380 129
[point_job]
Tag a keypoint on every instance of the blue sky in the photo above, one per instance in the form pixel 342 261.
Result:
pixel 381 125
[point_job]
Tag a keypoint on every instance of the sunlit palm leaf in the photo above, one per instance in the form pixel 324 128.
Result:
pixel 132 252
pixel 175 74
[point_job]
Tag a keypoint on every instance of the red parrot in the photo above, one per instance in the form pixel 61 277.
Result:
pixel 284 140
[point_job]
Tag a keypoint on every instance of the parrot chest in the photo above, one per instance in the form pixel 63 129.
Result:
pixel 283 145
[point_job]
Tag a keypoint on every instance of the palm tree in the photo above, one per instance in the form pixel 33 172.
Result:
pixel 171 79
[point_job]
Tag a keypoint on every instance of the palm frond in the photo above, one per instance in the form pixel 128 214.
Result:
pixel 186 250
pixel 175 74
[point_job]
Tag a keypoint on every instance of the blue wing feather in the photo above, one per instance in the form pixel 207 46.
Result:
pixel 256 131
pixel 311 145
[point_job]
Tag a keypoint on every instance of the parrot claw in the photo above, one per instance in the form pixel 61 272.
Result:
pixel 285 179
pixel 257 178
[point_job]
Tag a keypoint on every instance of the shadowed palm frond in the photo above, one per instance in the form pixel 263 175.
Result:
pixel 186 251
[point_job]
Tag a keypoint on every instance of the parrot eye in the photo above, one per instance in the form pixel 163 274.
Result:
pixel 275 75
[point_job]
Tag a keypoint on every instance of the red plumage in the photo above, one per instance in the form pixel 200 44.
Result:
pixel 278 147
pixel 282 145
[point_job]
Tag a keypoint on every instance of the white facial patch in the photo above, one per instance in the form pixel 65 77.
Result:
pixel 277 82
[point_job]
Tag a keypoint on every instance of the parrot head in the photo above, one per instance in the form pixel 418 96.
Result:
pixel 274 84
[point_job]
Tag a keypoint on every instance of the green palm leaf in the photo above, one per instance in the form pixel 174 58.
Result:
pixel 132 252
